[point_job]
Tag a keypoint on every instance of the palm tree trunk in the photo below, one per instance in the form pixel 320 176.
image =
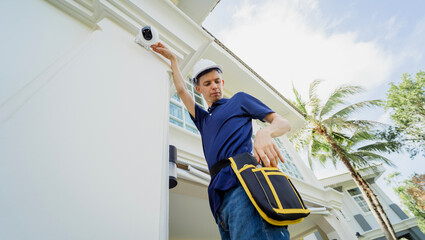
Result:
pixel 378 205
pixel 371 198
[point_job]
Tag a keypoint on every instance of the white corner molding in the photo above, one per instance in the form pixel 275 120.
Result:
pixel 131 16
pixel 187 40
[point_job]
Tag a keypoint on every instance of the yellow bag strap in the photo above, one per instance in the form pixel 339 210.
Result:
pixel 248 192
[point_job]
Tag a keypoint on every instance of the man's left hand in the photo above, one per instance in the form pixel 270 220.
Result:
pixel 265 149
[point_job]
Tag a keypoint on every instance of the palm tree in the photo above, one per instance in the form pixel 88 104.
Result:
pixel 330 135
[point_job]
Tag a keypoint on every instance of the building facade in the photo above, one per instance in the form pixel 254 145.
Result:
pixel 87 117
pixel 359 216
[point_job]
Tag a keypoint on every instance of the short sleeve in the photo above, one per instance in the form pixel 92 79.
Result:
pixel 200 114
pixel 254 107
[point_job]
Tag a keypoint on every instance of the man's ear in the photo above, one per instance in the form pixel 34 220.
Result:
pixel 198 89
pixel 222 81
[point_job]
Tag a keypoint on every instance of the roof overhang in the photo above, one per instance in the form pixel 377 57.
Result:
pixel 195 9
pixel 372 172
pixel 398 227
pixel 238 77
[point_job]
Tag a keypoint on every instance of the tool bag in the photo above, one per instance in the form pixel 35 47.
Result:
pixel 270 190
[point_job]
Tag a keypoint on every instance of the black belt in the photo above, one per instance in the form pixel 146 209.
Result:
pixel 216 168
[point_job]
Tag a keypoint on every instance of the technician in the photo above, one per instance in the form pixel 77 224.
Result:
pixel 226 130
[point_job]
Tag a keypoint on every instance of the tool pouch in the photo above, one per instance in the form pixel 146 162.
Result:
pixel 270 191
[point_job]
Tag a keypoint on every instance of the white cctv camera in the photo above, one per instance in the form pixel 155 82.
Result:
pixel 147 36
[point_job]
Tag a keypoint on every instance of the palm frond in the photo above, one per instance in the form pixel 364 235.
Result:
pixel 319 149
pixel 357 160
pixel 312 91
pixel 364 124
pixel 382 147
pixel 341 148
pixel 341 138
pixel 338 97
pixel 335 158
pixel 341 124
pixel 347 111
pixel 299 103
pixel 346 134
pixel 301 138
pixel 371 158
pixel 359 136
pixel 319 144
pixel 336 124
pixel 313 104
pixel 323 157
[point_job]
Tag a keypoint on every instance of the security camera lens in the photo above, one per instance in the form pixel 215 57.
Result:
pixel 147 33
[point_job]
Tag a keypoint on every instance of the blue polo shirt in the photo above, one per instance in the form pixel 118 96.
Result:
pixel 226 131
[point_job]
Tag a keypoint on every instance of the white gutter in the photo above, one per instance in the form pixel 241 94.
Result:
pixel 195 165
pixel 198 173
pixel 319 211
pixel 190 177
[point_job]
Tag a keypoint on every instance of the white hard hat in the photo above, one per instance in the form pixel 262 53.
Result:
pixel 203 65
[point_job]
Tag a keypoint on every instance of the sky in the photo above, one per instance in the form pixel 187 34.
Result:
pixel 366 43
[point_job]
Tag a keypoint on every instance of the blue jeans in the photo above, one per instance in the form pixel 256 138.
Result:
pixel 238 219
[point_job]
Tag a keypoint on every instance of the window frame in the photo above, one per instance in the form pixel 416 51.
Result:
pixel 359 195
pixel 185 121
pixel 289 167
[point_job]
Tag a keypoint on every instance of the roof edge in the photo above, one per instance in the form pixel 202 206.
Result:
pixel 253 72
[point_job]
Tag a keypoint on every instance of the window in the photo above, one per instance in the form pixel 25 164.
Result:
pixel 356 194
pixel 178 113
pixel 288 167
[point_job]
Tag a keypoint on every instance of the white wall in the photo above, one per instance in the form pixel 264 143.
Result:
pixel 351 208
pixel 83 146
pixel 385 202
pixel 34 35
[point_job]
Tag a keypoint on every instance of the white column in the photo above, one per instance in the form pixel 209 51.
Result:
pixel 335 227
pixel 84 154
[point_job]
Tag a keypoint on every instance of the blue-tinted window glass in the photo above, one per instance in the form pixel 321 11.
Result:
pixel 176 97
pixel 187 118
pixel 176 111
pixel 191 129
pixel 175 122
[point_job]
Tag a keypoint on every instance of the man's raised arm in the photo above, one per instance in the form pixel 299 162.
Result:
pixel 179 82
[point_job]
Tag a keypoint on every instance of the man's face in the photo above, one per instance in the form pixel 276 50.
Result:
pixel 211 87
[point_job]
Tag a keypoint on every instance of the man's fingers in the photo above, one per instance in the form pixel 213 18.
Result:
pixel 257 156
pixel 269 155
pixel 272 155
pixel 158 44
pixel 261 157
pixel 281 157
pixel 264 158
pixel 162 50
pixel 279 154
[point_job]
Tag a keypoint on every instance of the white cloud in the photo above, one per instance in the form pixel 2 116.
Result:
pixel 284 43
pixel 393 27
pixel 412 50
